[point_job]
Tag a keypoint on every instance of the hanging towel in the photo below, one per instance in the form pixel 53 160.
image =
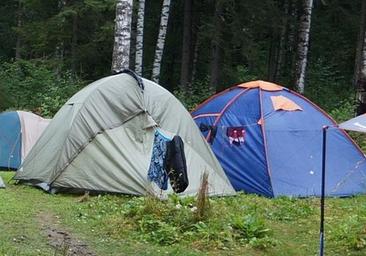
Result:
pixel 157 172
pixel 236 135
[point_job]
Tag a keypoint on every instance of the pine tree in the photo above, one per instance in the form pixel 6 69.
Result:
pixel 216 51
pixel 186 67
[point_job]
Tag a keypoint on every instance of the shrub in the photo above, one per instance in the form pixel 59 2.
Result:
pixel 251 229
pixel 327 87
pixel 200 91
pixel 34 86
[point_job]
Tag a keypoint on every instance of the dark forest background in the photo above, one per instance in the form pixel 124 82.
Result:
pixel 49 49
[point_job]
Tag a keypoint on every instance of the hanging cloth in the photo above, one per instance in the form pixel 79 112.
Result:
pixel 177 165
pixel 157 172
pixel 236 135
pixel 211 129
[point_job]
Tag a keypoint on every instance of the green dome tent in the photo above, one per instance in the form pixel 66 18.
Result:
pixel 102 139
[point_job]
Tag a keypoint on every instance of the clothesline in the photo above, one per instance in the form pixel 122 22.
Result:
pixel 334 127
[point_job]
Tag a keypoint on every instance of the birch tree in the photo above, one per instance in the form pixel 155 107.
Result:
pixel 122 36
pixel 161 41
pixel 303 45
pixel 140 37
pixel 360 64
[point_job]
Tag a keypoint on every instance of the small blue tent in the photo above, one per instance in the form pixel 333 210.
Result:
pixel 268 140
pixel 19 131
pixel 10 140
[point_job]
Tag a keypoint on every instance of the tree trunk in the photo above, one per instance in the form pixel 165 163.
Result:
pixel 196 46
pixel 360 65
pixel 360 43
pixel 132 59
pixel 196 40
pixel 290 43
pixel 216 51
pixel 282 43
pixel 161 41
pixel 273 56
pixel 74 42
pixel 140 37
pixel 19 25
pixel 60 46
pixel 122 36
pixel 186 70
pixel 303 45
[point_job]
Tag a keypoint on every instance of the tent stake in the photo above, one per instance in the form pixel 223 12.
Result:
pixel 322 198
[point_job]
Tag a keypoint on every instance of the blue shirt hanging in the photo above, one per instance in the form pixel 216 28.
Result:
pixel 157 172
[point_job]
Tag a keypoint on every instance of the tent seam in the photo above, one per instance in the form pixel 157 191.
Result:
pixel 223 110
pixel 265 140
pixel 215 96
pixel 330 119
pixel 83 104
pixel 82 147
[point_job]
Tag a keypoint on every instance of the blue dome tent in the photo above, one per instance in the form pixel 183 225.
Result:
pixel 19 131
pixel 268 140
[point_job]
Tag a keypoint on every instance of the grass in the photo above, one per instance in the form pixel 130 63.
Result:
pixel 124 225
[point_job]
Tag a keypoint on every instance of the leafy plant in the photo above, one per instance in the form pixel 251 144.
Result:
pixel 249 227
pixel 158 231
pixel 199 92
pixel 351 232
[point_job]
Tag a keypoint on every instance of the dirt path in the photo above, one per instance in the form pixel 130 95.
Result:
pixel 64 242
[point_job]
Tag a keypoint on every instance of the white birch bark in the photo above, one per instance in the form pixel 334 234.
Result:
pixel 122 36
pixel 363 57
pixel 303 45
pixel 161 41
pixel 360 44
pixel 140 37
pixel 361 65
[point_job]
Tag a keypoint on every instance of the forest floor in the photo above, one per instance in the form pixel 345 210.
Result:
pixel 33 222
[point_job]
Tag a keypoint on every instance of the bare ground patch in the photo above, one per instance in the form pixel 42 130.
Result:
pixel 64 242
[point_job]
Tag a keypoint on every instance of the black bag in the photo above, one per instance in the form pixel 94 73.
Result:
pixel 176 165
pixel 212 131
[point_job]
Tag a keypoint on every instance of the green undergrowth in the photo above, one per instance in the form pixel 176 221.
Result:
pixel 237 225
pixel 174 221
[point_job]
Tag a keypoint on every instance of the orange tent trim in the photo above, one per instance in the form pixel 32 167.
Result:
pixel 266 86
pixel 283 103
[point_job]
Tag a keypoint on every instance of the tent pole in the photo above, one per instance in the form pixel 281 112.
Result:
pixel 322 198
